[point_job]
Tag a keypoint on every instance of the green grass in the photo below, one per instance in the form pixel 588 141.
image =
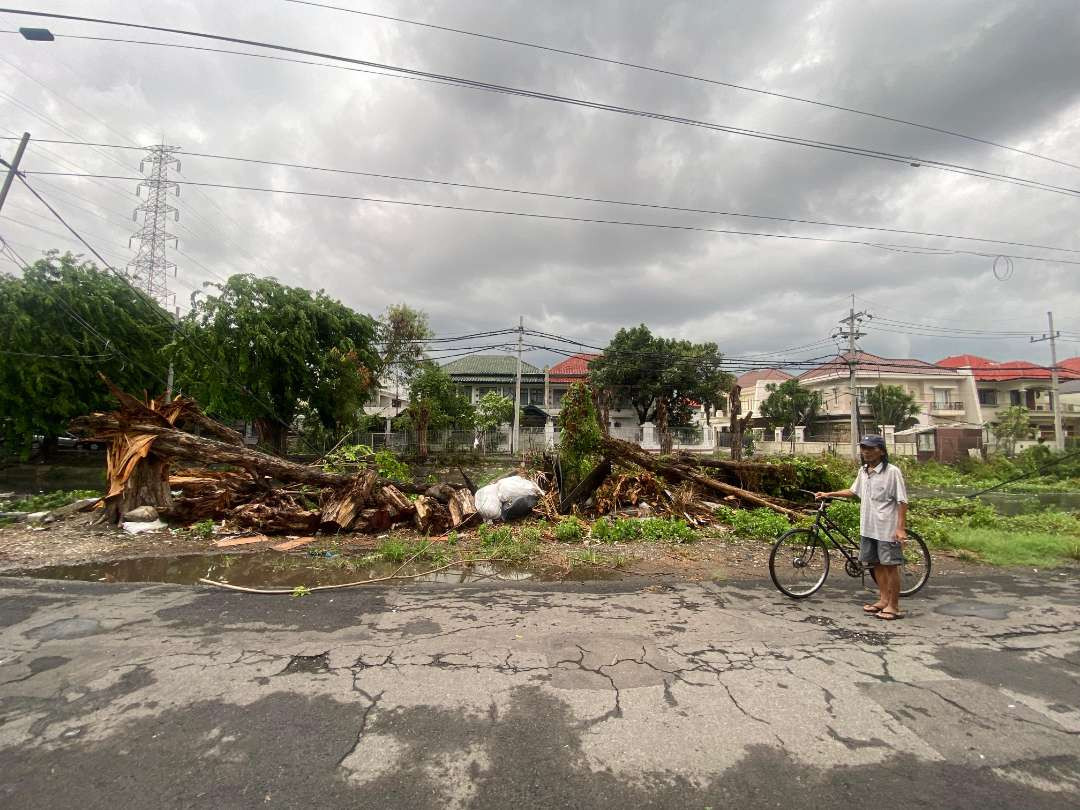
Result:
pixel 651 530
pixel 997 547
pixel 46 501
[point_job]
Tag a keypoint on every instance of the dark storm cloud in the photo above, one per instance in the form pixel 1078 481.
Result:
pixel 1002 71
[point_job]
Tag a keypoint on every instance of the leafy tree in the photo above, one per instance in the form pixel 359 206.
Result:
pixel 436 402
pixel 660 377
pixel 580 437
pixel 1013 424
pixel 62 323
pixel 789 404
pixel 629 370
pixel 256 349
pixel 492 410
pixel 892 405
pixel 403 332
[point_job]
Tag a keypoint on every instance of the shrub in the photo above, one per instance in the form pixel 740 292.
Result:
pixel 569 530
pixel 763 523
pixel 46 501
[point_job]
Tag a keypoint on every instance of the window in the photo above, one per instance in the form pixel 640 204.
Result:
pixel 1015 398
pixel 941 397
pixel 988 396
pixel 924 442
pixel 864 394
pixel 536 397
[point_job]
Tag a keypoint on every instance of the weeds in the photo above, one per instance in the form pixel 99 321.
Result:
pixel 300 590
pixel 47 501
pixel 569 530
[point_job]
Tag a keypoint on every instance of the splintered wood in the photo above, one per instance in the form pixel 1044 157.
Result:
pixel 256 491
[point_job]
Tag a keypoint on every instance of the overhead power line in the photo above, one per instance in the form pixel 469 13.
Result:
pixel 574 197
pixel 588 220
pixel 690 76
pixel 858 151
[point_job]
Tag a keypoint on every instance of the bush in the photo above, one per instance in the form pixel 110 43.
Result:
pixel 387 464
pixel 569 530
pixel 46 501
pixel 763 523
pixel 674 530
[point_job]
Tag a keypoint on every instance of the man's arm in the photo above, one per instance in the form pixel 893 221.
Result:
pixel 840 493
pixel 901 521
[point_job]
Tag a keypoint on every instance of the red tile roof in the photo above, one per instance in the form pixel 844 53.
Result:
pixel 571 370
pixel 750 378
pixel 965 361
pixel 872 364
pixel 989 371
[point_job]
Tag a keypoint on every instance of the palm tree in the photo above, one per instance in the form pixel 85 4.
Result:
pixel 892 405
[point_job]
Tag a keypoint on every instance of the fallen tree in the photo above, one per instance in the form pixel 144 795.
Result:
pixel 677 472
pixel 145 438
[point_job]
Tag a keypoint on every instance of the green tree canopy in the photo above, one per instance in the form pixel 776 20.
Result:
pixel 403 332
pixel 256 349
pixel 892 405
pixel 1012 425
pixel 61 323
pixel 650 371
pixel 436 402
pixel 789 404
pixel 492 410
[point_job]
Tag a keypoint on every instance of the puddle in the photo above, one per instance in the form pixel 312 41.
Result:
pixel 272 569
pixel 1010 503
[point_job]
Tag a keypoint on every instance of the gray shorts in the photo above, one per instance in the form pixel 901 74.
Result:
pixel 881 552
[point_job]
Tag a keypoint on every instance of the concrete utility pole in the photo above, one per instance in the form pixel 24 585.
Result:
pixel 1059 433
pixel 13 168
pixel 515 442
pixel 852 333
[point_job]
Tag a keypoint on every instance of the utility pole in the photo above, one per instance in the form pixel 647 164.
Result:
pixel 516 440
pixel 852 333
pixel 13 168
pixel 1059 435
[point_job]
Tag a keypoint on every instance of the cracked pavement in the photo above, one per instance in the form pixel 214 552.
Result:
pixel 590 695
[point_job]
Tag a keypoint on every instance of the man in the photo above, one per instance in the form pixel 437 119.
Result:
pixel 880 489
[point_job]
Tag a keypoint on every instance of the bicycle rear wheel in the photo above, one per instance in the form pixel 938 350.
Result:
pixel 916 568
pixel 799 563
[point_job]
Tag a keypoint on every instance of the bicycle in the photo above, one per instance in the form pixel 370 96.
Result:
pixel 799 562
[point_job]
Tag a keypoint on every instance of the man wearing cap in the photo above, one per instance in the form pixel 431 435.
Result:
pixel 880 489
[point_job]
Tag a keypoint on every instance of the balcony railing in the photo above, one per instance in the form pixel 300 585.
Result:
pixel 946 407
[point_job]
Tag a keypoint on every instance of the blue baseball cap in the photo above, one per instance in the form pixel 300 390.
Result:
pixel 872 441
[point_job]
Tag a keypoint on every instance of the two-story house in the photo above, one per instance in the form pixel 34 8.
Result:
pixel 945 396
pixel 1018 382
pixel 757 385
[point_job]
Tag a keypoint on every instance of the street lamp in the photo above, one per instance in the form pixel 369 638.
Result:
pixel 37 34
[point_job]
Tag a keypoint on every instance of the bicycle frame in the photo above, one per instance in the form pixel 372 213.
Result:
pixel 823 524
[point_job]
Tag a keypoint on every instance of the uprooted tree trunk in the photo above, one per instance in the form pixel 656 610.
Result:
pixel 587 486
pixel 145 438
pixel 676 472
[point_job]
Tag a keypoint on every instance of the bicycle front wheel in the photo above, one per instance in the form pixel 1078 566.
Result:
pixel 799 563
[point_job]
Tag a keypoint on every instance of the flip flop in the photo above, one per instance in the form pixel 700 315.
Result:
pixel 889 616
pixel 871 608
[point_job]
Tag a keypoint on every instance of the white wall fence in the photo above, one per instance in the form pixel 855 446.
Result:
pixel 700 438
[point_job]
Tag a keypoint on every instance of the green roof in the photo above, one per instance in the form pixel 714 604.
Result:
pixel 490 368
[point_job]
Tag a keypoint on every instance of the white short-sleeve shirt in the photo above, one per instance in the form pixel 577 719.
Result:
pixel 880 491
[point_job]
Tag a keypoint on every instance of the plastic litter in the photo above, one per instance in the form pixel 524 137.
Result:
pixel 507 499
pixel 135 527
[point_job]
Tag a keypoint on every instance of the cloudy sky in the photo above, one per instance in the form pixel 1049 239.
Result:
pixel 999 71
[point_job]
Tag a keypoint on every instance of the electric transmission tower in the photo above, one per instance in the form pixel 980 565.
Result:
pixel 149 270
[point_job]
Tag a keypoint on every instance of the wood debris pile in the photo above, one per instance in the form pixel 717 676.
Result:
pixel 633 481
pixel 225 480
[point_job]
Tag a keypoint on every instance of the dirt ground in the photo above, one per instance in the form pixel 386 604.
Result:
pixel 720 557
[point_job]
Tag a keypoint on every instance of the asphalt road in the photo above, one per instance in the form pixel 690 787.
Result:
pixel 618 695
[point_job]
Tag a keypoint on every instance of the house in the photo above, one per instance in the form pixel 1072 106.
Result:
pixel 757 385
pixel 562 375
pixel 1018 382
pixel 945 395
pixel 479 374
pixel 386 401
